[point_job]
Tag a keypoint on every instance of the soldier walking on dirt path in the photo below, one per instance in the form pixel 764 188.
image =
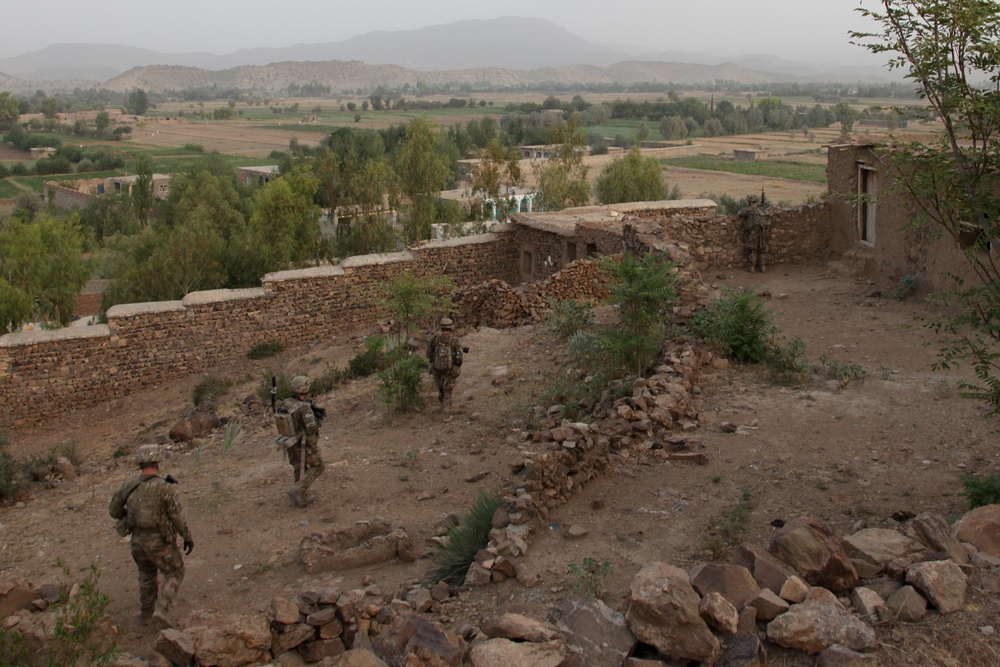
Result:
pixel 444 354
pixel 298 422
pixel 148 508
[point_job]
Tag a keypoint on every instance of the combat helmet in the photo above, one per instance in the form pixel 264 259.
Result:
pixel 446 323
pixel 301 384
pixel 147 454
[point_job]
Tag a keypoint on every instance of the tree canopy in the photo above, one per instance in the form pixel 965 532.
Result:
pixel 631 178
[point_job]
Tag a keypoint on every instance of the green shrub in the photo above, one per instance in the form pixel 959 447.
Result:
pixel 464 540
pixel 786 361
pixel 400 382
pixel 331 378
pixel 11 479
pixel 589 576
pixel 728 204
pixel 79 636
pixel 738 324
pixel 209 389
pixel 979 491
pixel 842 370
pixel 281 383
pixel 264 350
pixel 567 317
pixel 373 358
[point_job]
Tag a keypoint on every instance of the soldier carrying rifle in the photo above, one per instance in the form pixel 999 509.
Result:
pixel 298 422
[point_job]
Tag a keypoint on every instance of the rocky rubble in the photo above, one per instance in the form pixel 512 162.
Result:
pixel 715 613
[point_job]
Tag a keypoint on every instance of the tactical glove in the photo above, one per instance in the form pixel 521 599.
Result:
pixel 188 546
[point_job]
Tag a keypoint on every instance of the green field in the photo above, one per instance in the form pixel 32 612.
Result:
pixel 8 190
pixel 787 169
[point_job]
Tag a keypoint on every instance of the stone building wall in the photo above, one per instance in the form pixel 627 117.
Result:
pixel 713 240
pixel 65 198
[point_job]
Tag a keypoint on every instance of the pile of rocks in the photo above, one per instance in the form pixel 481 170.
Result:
pixel 496 304
pixel 803 592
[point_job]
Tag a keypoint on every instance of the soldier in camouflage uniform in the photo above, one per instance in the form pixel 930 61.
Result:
pixel 444 355
pixel 148 509
pixel 756 231
pixel 306 442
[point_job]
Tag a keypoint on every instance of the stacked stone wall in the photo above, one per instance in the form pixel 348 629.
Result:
pixel 47 373
pixel 714 241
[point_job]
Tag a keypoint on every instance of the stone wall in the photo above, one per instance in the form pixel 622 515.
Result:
pixel 713 240
pixel 49 372
pixel 45 373
pixel 65 198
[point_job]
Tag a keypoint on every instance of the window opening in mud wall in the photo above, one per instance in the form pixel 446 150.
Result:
pixel 570 252
pixel 526 265
pixel 866 203
pixel 591 249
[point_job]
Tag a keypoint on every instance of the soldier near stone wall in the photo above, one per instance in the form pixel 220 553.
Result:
pixel 147 508
pixel 756 232
pixel 301 441
pixel 444 355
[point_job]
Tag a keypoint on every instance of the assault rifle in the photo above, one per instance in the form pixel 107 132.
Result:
pixel 274 393
pixel 319 412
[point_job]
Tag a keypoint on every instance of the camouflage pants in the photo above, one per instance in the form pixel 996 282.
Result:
pixel 313 468
pixel 155 555
pixel 445 381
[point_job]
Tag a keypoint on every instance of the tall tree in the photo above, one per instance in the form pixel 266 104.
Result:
pixel 949 49
pixel 42 269
pixel 141 194
pixel 631 178
pixel 562 179
pixel 285 221
pixel 138 102
pixel 496 175
pixel 422 173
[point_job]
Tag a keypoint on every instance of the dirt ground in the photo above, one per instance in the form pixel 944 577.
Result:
pixel 849 453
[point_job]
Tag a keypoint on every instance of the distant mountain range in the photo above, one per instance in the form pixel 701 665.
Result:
pixel 502 51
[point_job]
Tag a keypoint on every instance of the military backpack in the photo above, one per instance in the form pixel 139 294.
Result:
pixel 442 354
pixel 285 423
pixel 144 507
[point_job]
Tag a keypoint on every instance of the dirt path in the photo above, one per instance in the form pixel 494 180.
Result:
pixel 849 454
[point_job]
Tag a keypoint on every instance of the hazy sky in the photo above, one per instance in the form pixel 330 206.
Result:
pixel 804 29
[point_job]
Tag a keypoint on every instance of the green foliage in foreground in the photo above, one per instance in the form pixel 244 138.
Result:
pixel 464 540
pixel 979 491
pixel 786 169
pixel 79 636
pixel 589 576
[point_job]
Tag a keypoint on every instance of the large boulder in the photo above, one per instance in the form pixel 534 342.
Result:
pixel 767 570
pixel 412 640
pixel 663 612
pixel 229 641
pixel 879 546
pixel 935 532
pixel 981 528
pixel 818 623
pixel 942 582
pixel 198 422
pixel 506 653
pixel 361 544
pixel 816 553
pixel 733 582
pixel 593 630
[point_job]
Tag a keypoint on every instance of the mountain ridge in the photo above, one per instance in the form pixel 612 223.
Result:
pixel 506 44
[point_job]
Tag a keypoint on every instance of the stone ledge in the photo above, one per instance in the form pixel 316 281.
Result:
pixel 55 335
pixel 377 259
pixel 134 309
pixel 220 295
pixel 474 239
pixel 303 274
